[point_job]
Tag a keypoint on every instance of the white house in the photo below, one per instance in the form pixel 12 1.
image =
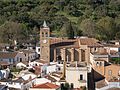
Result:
pixel 12 57
pixel 4 74
pixel 29 54
pixel 45 68
pixel 21 83
pixel 51 68
pixel 77 74
pixel 37 50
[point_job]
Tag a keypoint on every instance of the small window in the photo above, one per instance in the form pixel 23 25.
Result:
pixel 58 68
pixel 39 50
pixel 109 72
pixel 81 77
pixel 46 34
pixel 100 63
pixel 20 59
pixel 10 60
pixel 42 34
pixel 17 58
pixel 97 64
pixel 95 49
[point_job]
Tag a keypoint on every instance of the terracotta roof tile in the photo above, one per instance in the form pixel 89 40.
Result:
pixel 89 42
pixel 27 51
pixel 75 43
pixel 8 54
pixel 60 42
pixel 47 86
pixel 50 78
pixel 104 52
pixel 42 61
pixel 113 52
pixel 4 63
pixel 101 83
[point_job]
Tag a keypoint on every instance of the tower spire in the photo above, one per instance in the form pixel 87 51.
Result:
pixel 45 24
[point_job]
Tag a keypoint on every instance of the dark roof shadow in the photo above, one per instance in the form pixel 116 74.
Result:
pixel 98 76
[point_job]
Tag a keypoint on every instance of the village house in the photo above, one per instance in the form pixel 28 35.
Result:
pixel 106 74
pixel 4 73
pixel 12 57
pixel 20 83
pixel 30 54
pixel 80 77
pixel 37 49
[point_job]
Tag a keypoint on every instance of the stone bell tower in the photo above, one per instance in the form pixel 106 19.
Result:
pixel 45 43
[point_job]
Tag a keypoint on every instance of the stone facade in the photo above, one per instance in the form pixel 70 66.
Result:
pixel 55 49
pixel 44 43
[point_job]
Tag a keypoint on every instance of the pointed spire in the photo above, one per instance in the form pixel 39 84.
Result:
pixel 45 24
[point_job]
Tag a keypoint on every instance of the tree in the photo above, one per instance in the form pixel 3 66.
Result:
pixel 11 31
pixel 67 30
pixel 85 15
pixel 88 27
pixel 117 36
pixel 107 26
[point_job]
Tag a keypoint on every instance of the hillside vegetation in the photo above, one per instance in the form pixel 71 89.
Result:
pixel 21 19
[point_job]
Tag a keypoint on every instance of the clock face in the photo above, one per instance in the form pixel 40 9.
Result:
pixel 44 41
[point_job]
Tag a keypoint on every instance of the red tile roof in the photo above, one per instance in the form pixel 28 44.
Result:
pixel 74 43
pixel 27 51
pixel 113 52
pixel 101 83
pixel 8 54
pixel 50 78
pixel 89 42
pixel 43 61
pixel 4 63
pixel 64 42
pixel 46 86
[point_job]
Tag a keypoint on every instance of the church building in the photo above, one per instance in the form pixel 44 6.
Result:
pixel 70 50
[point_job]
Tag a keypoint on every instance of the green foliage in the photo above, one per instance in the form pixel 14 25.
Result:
pixel 95 18
pixel 67 30
pixel 14 69
pixel 11 31
pixel 107 26
pixel 65 86
pixel 115 60
pixel 83 88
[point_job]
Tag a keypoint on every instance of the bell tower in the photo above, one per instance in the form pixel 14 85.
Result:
pixel 45 43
